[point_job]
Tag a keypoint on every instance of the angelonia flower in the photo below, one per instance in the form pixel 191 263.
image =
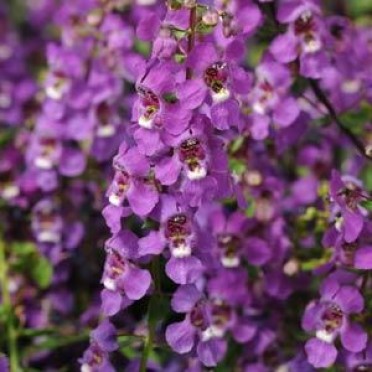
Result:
pixel 329 318
pixel 102 342
pixel 205 219
pixel 218 151
pixel 41 160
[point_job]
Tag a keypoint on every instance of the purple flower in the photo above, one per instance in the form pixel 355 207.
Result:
pixel 360 361
pixel 9 181
pixel 122 278
pixel 304 37
pixel 221 75
pixel 47 223
pixel 329 318
pixel 45 151
pixel 346 197
pixel 196 328
pixel 151 88
pixel 363 257
pixel 163 103
pixel 228 232
pixel 132 182
pixel 199 157
pixel 103 341
pixel 270 99
pixel 179 234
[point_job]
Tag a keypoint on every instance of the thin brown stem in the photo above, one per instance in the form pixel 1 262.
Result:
pixel 313 104
pixel 359 145
pixel 191 38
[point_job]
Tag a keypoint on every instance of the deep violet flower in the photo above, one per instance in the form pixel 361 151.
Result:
pixel 123 280
pixel 195 328
pixel 329 318
pixel 179 233
pixel 347 195
pixel 103 341
pixel 270 99
pixel 133 182
pixel 304 37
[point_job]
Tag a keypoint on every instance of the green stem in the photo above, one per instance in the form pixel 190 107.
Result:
pixel 17 11
pixel 148 346
pixel 7 304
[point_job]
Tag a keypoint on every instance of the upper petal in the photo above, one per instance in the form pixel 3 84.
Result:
pixel 136 282
pixel 185 298
pixel 184 270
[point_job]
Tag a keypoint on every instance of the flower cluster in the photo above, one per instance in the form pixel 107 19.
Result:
pixel 196 101
pixel 227 144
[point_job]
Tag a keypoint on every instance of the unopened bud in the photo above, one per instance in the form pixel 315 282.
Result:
pixel 291 268
pixel 189 3
pixel 368 151
pixel 210 18
pixel 94 17
pixel 253 178
pixel 174 4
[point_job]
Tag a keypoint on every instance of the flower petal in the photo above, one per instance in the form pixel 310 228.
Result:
pixel 180 336
pixel 320 354
pixel 185 298
pixel 136 283
pixel 153 243
pixel 354 338
pixel 363 258
pixel 184 270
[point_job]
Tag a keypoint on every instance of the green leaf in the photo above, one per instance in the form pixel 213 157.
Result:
pixel 175 4
pixel 179 58
pixel 49 343
pixel 41 271
pixel 237 166
pixel 316 262
pixel 249 212
pixel 255 53
pixel 303 171
pixel 204 29
pixel 23 248
pixel 30 332
pixel 236 144
pixel 170 97
pixel 179 34
pixel 142 47
pixel 367 177
pixel 150 224
pixel 6 136
pixel 367 205
pixel 129 352
pixel 360 7
pixel 357 119
pixel 154 356
pixel 159 306
pixel 3 314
